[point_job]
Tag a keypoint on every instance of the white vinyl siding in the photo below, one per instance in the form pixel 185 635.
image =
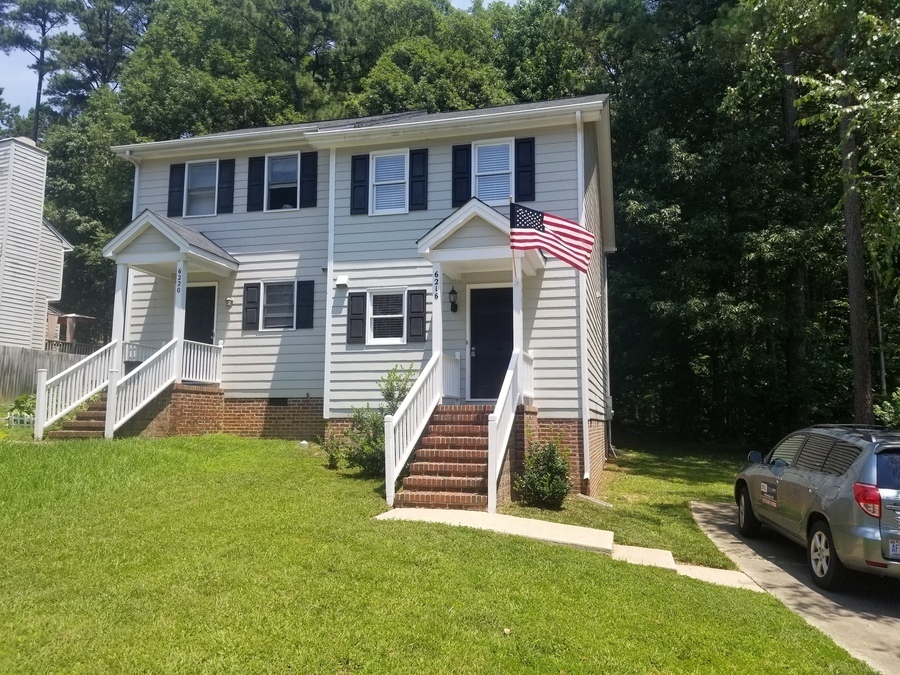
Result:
pixel 492 174
pixel 200 188
pixel 390 192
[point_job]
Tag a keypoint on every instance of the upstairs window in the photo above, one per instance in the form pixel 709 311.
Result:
pixel 493 172
pixel 282 184
pixel 200 191
pixel 278 305
pixel 389 183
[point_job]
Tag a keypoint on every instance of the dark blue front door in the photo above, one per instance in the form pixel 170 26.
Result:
pixel 491 343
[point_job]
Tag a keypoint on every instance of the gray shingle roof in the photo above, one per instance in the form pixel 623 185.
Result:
pixel 196 239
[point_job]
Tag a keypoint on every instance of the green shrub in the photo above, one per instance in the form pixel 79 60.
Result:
pixel 23 405
pixel 889 412
pixel 545 481
pixel 333 447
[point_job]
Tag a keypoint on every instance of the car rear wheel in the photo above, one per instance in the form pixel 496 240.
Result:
pixel 826 568
pixel 748 524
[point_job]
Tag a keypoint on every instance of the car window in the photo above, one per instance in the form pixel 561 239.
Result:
pixel 787 449
pixel 815 452
pixel 841 458
pixel 888 466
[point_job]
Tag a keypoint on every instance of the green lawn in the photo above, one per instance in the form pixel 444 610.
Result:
pixel 650 487
pixel 217 554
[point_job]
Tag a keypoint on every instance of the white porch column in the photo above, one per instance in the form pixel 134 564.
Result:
pixel 178 318
pixel 518 327
pixel 437 309
pixel 119 300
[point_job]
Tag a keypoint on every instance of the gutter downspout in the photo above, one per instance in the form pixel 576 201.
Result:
pixel 135 206
pixel 582 310
pixel 329 288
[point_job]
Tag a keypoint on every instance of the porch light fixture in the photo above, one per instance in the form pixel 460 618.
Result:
pixel 454 296
pixel 229 302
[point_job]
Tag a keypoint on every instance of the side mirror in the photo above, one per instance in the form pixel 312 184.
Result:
pixel 755 457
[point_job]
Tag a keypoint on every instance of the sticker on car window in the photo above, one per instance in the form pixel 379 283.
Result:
pixel 769 493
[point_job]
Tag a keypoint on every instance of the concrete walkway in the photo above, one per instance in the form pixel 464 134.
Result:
pixel 864 618
pixel 588 538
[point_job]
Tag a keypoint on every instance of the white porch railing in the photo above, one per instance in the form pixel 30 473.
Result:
pixel 136 389
pixel 202 362
pixel 517 385
pixel 135 351
pixel 72 387
pixel 403 428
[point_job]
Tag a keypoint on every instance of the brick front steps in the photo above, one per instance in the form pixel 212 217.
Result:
pixel 88 423
pixel 450 467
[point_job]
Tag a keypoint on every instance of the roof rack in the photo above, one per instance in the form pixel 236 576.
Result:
pixel 863 429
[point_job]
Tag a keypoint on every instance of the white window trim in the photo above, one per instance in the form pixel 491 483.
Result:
pixel 370 316
pixel 262 303
pixel 510 143
pixel 372 184
pixel 266 208
pixel 187 177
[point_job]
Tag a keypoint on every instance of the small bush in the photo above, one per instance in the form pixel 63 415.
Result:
pixel 365 441
pixel 889 412
pixel 333 447
pixel 23 405
pixel 545 481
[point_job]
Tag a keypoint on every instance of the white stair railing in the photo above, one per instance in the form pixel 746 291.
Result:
pixel 403 428
pixel 202 362
pixel 452 377
pixel 500 422
pixel 132 392
pixel 72 387
pixel 135 351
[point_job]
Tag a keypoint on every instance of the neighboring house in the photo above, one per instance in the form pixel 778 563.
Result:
pixel 31 250
pixel 300 263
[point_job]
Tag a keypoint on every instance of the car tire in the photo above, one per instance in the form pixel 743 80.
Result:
pixel 825 566
pixel 748 523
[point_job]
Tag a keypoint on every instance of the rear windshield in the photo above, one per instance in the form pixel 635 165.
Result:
pixel 888 464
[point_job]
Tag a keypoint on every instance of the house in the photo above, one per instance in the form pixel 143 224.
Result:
pixel 291 267
pixel 31 250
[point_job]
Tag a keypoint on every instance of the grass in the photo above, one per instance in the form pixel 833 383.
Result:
pixel 219 554
pixel 650 487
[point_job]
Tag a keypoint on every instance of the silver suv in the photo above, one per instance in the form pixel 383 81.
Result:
pixel 834 489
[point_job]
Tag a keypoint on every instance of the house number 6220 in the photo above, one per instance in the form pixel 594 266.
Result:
pixel 178 282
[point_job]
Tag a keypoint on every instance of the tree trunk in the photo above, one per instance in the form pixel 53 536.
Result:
pixel 856 278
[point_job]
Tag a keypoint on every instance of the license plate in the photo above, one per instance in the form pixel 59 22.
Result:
pixel 895 548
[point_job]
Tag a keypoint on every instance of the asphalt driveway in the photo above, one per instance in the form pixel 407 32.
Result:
pixel 864 618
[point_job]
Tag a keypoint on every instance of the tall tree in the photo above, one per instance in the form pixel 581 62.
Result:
pixel 29 25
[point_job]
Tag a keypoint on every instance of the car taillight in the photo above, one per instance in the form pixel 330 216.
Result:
pixel 868 498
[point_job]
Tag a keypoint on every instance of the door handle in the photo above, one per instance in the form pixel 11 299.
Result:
pixel 892 507
pixel 472 352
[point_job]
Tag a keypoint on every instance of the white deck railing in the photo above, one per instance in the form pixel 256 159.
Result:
pixel 135 351
pixel 132 392
pixel 201 362
pixel 517 385
pixel 452 376
pixel 72 387
pixel 403 428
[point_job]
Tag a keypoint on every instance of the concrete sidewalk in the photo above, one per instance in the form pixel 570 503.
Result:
pixel 600 541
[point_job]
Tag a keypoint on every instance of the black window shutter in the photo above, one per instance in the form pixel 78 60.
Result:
pixel 309 173
pixel 225 201
pixel 359 184
pixel 256 179
pixel 415 316
pixel 251 306
pixel 525 170
pixel 176 191
pixel 418 180
pixel 356 318
pixel 304 311
pixel 462 174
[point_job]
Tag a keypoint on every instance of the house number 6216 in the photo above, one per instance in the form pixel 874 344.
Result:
pixel 437 285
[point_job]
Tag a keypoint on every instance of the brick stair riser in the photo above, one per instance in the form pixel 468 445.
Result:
pixel 454 443
pixel 441 500
pixel 74 434
pixel 461 418
pixel 458 430
pixel 447 469
pixel 469 456
pixel 79 424
pixel 445 484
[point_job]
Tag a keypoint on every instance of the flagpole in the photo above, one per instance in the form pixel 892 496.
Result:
pixel 512 251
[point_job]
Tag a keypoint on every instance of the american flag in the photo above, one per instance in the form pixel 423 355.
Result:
pixel 565 239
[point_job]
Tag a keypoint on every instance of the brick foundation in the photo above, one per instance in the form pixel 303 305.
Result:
pixel 181 410
pixel 293 418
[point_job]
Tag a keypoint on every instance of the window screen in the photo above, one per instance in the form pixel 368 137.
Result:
pixel 888 467
pixel 201 189
pixel 282 189
pixel 278 308
pixel 492 172
pixel 387 316
pixel 841 458
pixel 787 449
pixel 389 183
pixel 815 452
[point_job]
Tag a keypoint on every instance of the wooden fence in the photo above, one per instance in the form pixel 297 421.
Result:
pixel 18 368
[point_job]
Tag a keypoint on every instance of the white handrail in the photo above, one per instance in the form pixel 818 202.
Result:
pixel 136 389
pixel 403 428
pixel 452 378
pixel 72 387
pixel 201 362
pixel 500 423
